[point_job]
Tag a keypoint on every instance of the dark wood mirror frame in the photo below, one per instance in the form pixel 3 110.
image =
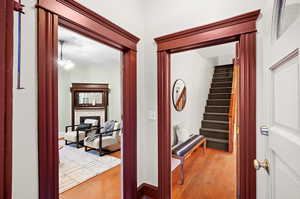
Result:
pixel 241 28
pixel 182 96
pixel 72 15
pixel 6 89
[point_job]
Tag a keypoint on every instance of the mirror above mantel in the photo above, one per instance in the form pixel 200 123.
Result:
pixel 89 99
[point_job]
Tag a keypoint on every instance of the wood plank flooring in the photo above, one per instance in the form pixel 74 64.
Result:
pixel 104 186
pixel 209 176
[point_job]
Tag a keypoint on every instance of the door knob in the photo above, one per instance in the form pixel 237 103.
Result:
pixel 259 164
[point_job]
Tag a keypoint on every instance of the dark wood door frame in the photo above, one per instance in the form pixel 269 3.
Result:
pixel 6 89
pixel 241 28
pixel 76 17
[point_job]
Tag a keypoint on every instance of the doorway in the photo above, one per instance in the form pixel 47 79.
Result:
pixel 75 17
pixel 89 115
pixel 204 127
pixel 242 29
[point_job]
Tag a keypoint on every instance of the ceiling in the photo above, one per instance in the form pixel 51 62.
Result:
pixel 84 51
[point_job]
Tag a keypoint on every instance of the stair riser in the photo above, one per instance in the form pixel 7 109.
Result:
pixel 216 85
pixel 211 134
pixel 219 96
pixel 225 66
pixel 217 145
pixel 222 80
pixel 217 71
pixel 222 75
pixel 220 90
pixel 216 117
pixel 218 102
pixel 216 109
pixel 212 125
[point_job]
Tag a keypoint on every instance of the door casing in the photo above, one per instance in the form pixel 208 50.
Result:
pixel 6 94
pixel 72 15
pixel 241 28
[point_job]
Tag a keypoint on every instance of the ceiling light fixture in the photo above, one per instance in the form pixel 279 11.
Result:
pixel 64 63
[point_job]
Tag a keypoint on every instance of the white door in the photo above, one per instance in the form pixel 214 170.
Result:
pixel 280 38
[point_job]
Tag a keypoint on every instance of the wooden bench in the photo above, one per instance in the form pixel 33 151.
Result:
pixel 185 149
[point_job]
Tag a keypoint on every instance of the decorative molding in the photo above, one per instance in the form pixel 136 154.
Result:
pixel 247 116
pixel 99 19
pixel 147 190
pixel 6 89
pixel 248 17
pixel 232 27
pixel 241 28
pixel 110 33
pixel 52 13
pixel 286 59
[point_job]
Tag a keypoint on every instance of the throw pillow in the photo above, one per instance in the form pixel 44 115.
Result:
pixel 182 134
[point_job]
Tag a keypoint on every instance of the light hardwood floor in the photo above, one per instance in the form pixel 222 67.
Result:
pixel 209 176
pixel 104 186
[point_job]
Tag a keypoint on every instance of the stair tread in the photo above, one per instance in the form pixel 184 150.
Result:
pixel 222 77
pixel 216 121
pixel 222 88
pixel 213 113
pixel 225 82
pixel 217 140
pixel 217 106
pixel 225 65
pixel 216 130
pixel 219 93
pixel 218 99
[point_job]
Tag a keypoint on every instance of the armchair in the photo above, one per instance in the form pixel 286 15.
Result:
pixel 104 137
pixel 81 130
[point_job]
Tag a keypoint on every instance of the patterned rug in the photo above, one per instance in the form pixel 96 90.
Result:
pixel 77 166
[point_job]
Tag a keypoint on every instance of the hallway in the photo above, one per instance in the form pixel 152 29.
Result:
pixel 207 177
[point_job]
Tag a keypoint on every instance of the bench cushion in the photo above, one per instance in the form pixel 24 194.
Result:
pixel 186 146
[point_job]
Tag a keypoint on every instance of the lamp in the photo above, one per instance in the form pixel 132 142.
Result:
pixel 64 63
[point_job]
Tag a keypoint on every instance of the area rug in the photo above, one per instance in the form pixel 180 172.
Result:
pixel 77 166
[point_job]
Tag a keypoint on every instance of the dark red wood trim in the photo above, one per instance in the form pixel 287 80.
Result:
pixel 85 17
pixel 51 13
pixel 164 124
pixel 6 78
pixel 190 39
pixel 225 32
pixel 47 104
pixel 248 17
pixel 247 137
pixel 147 190
pixel 129 124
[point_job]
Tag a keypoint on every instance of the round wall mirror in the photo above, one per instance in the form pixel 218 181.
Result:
pixel 179 95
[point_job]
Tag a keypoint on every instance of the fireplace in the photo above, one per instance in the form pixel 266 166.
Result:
pixel 81 115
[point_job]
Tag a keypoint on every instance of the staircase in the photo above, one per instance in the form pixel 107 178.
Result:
pixel 215 123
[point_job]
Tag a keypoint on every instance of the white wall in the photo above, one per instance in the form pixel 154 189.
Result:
pixel 25 135
pixel 197 73
pixel 109 73
pixel 25 146
pixel 147 20
pixel 164 17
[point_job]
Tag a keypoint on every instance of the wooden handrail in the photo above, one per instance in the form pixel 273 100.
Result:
pixel 233 106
